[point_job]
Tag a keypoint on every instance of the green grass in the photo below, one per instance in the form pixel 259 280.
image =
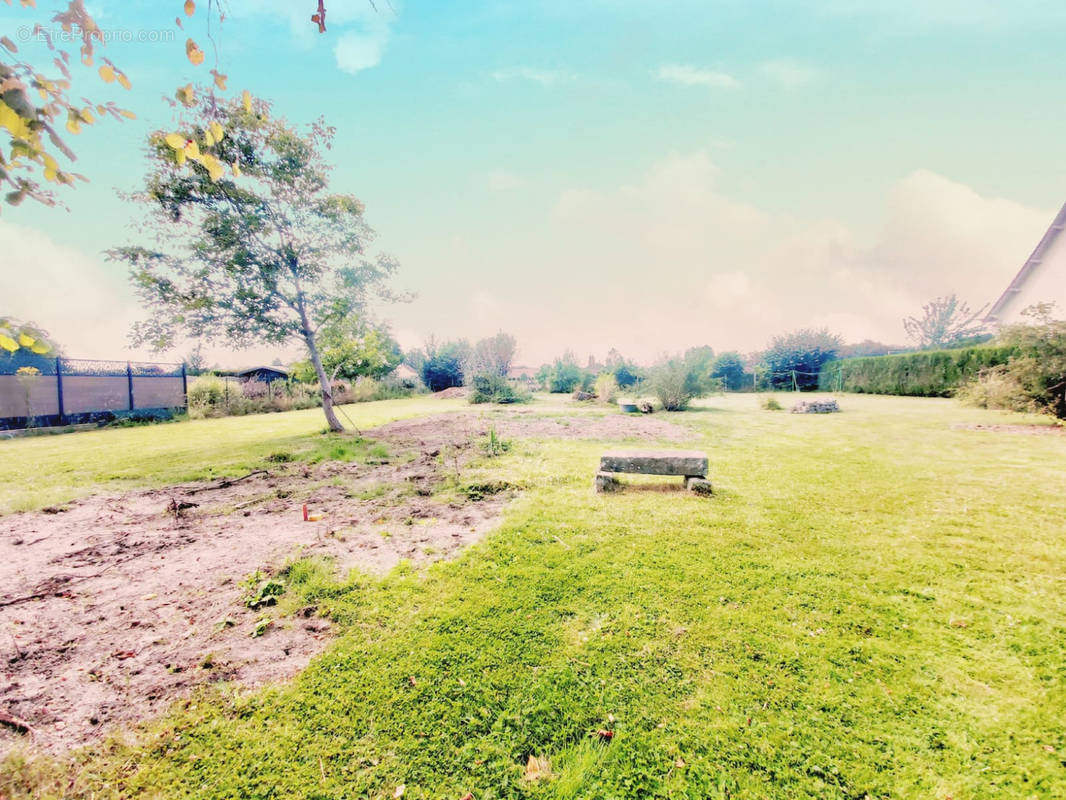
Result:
pixel 873 604
pixel 44 470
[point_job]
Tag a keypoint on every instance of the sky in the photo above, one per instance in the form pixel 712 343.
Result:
pixel 639 175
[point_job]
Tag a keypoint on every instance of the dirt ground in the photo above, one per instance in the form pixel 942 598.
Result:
pixel 1028 430
pixel 113 606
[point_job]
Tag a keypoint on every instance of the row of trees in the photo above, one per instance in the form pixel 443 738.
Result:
pixel 443 365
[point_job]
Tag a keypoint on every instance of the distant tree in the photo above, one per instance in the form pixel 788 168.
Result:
pixel 493 356
pixel 868 347
pixel 945 321
pixel 195 363
pixel 729 369
pixel 700 360
pixel 565 375
pixel 443 365
pixel 798 355
pixel 270 257
pixel 625 372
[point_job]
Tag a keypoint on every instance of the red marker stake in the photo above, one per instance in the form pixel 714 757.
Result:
pixel 305 512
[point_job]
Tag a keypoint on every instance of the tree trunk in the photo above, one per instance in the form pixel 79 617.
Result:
pixel 323 378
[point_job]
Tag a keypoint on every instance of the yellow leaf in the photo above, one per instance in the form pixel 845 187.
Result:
pixel 192 149
pixel 190 8
pixel 175 140
pixel 195 54
pixel 538 768
pixel 123 81
pixel 186 95
pixel 49 161
pixel 209 139
pixel 50 174
pixel 73 125
pixel 40 348
pixel 26 340
pixel 216 130
pixel 8 343
pixel 87 116
pixel 220 80
pixel 107 73
pixel 236 170
pixel 181 157
pixel 247 100
pixel 214 167
pixel 127 114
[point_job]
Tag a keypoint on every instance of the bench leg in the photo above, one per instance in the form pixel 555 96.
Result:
pixel 699 485
pixel 607 482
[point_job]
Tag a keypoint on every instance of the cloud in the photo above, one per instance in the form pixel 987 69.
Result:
pixel 500 180
pixel 787 72
pixel 689 263
pixel 359 50
pixel 687 75
pixel 543 77
pixel 362 29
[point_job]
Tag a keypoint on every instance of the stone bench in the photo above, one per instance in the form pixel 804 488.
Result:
pixel 688 464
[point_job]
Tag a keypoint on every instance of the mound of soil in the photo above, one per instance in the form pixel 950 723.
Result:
pixel 113 606
pixel 455 391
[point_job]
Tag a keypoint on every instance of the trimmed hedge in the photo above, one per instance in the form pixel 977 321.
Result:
pixel 927 373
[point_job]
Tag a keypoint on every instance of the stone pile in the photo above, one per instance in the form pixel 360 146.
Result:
pixel 821 405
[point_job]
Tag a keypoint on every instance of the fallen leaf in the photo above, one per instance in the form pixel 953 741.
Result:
pixel 538 768
pixel 399 792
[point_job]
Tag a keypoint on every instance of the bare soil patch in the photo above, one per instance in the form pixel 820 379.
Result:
pixel 113 606
pixel 1028 430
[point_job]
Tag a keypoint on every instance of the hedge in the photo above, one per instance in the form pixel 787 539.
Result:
pixel 928 373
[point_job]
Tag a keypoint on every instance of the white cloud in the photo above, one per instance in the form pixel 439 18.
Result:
pixel 544 77
pixel 359 50
pixel 788 72
pixel 361 29
pixel 687 75
pixel 687 263
pixel 500 180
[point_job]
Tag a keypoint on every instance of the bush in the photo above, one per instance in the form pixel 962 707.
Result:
pixel 770 403
pixel 729 369
pixel 606 388
pixel 927 373
pixel 206 394
pixel 675 383
pixel 491 388
pixel 1034 377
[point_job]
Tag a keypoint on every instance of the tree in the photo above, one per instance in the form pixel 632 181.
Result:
pixel 700 360
pixel 351 348
pixel 493 356
pixel 443 367
pixel 625 373
pixel 729 369
pixel 269 258
pixel 945 321
pixel 794 359
pixel 565 374
pixel 195 363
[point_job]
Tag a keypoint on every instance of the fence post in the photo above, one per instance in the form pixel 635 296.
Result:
pixel 129 382
pixel 59 390
pixel 184 387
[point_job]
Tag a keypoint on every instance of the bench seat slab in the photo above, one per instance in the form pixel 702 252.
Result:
pixel 686 463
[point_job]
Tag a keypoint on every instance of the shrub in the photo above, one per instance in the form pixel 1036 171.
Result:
pixel 927 373
pixel 1034 377
pixel 206 395
pixel 770 403
pixel 491 388
pixel 675 383
pixel 606 388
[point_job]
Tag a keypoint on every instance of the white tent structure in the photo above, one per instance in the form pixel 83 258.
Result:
pixel 1042 279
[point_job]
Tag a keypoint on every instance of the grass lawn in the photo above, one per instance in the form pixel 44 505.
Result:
pixel 873 604
pixel 42 470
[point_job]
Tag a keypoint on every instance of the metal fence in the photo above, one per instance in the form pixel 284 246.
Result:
pixel 37 392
